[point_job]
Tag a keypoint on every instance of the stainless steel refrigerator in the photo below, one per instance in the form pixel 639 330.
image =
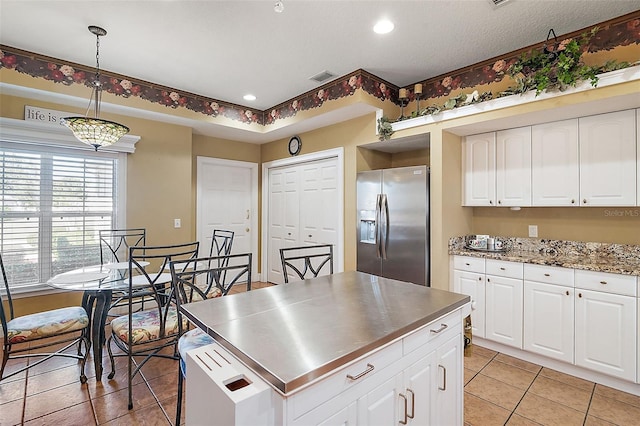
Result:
pixel 393 223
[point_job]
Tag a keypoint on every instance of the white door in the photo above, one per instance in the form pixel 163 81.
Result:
pixel 318 194
pixel 606 333
pixel 608 159
pixel 284 216
pixel 480 170
pixel 380 405
pixel 419 390
pixel 472 284
pixel 227 199
pixel 503 310
pixel 513 167
pixel 449 392
pixel 303 207
pixel 554 163
pixel 548 320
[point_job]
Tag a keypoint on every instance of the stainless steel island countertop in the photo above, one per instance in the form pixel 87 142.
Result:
pixel 294 333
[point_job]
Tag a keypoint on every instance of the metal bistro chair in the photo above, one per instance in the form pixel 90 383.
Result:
pixel 114 250
pixel 221 245
pixel 199 279
pixel 144 334
pixel 68 325
pixel 306 261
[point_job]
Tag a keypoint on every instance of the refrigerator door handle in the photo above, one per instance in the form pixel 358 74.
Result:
pixel 377 229
pixel 385 225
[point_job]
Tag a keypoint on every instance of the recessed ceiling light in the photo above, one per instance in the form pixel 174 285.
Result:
pixel 383 26
pixel 249 97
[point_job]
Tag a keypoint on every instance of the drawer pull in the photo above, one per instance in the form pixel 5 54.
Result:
pixel 413 404
pixel 444 381
pixel 442 328
pixel 404 398
pixel 603 282
pixel 368 370
pixel 479 278
pixel 547 275
pixel 502 269
pixel 468 264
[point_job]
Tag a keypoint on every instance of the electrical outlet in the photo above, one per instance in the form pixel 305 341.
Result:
pixel 533 231
pixel 177 223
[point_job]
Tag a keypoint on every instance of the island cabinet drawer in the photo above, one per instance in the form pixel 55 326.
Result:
pixel 468 263
pixel 436 331
pixel 504 268
pixel 344 379
pixel 607 283
pixel 549 274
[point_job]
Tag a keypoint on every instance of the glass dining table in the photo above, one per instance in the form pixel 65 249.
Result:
pixel 97 284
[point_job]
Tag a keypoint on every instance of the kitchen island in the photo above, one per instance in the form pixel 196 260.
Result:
pixel 349 347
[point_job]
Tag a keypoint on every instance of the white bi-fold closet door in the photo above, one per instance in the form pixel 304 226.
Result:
pixel 304 202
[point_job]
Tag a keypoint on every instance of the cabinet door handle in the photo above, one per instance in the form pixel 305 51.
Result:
pixel 479 278
pixel 567 292
pixel 413 404
pixel 488 280
pixel 579 294
pixel 603 282
pixel 368 370
pixel 573 201
pixel 584 201
pixel 490 202
pixel 499 202
pixel 444 381
pixel 404 398
pixel 442 328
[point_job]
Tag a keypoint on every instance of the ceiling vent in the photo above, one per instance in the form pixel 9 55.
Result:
pixel 321 77
pixel 498 2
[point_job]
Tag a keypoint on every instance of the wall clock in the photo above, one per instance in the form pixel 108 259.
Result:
pixel 295 144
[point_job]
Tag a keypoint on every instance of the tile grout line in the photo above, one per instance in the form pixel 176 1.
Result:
pixel 523 395
pixel 586 414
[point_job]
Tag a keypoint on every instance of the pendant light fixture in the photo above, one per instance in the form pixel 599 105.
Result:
pixel 95 131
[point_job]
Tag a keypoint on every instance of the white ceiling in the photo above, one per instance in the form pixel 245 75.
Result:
pixel 226 49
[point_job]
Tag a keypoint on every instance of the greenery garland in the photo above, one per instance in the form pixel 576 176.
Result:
pixel 544 71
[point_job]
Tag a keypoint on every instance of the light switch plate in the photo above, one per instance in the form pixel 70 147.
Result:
pixel 533 231
pixel 177 223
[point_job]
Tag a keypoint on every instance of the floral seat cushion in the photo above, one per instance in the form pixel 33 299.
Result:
pixel 146 326
pixel 192 339
pixel 45 324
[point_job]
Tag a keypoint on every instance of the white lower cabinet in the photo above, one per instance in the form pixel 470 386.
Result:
pixel 586 318
pixel 346 417
pixel 548 320
pixel 469 279
pixel 447 406
pixel 472 284
pixel 503 310
pixel 380 405
pixel 606 333
pixel 424 386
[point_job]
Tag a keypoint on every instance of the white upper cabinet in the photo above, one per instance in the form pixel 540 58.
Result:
pixel 608 159
pixel 479 170
pixel 513 167
pixel 554 164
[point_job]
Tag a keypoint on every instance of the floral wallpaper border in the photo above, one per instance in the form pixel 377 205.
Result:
pixel 621 31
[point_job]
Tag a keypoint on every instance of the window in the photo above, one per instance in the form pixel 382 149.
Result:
pixel 53 202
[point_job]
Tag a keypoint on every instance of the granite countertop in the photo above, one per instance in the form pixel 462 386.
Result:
pixel 599 257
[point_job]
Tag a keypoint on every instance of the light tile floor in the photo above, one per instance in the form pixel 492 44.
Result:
pixel 499 390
